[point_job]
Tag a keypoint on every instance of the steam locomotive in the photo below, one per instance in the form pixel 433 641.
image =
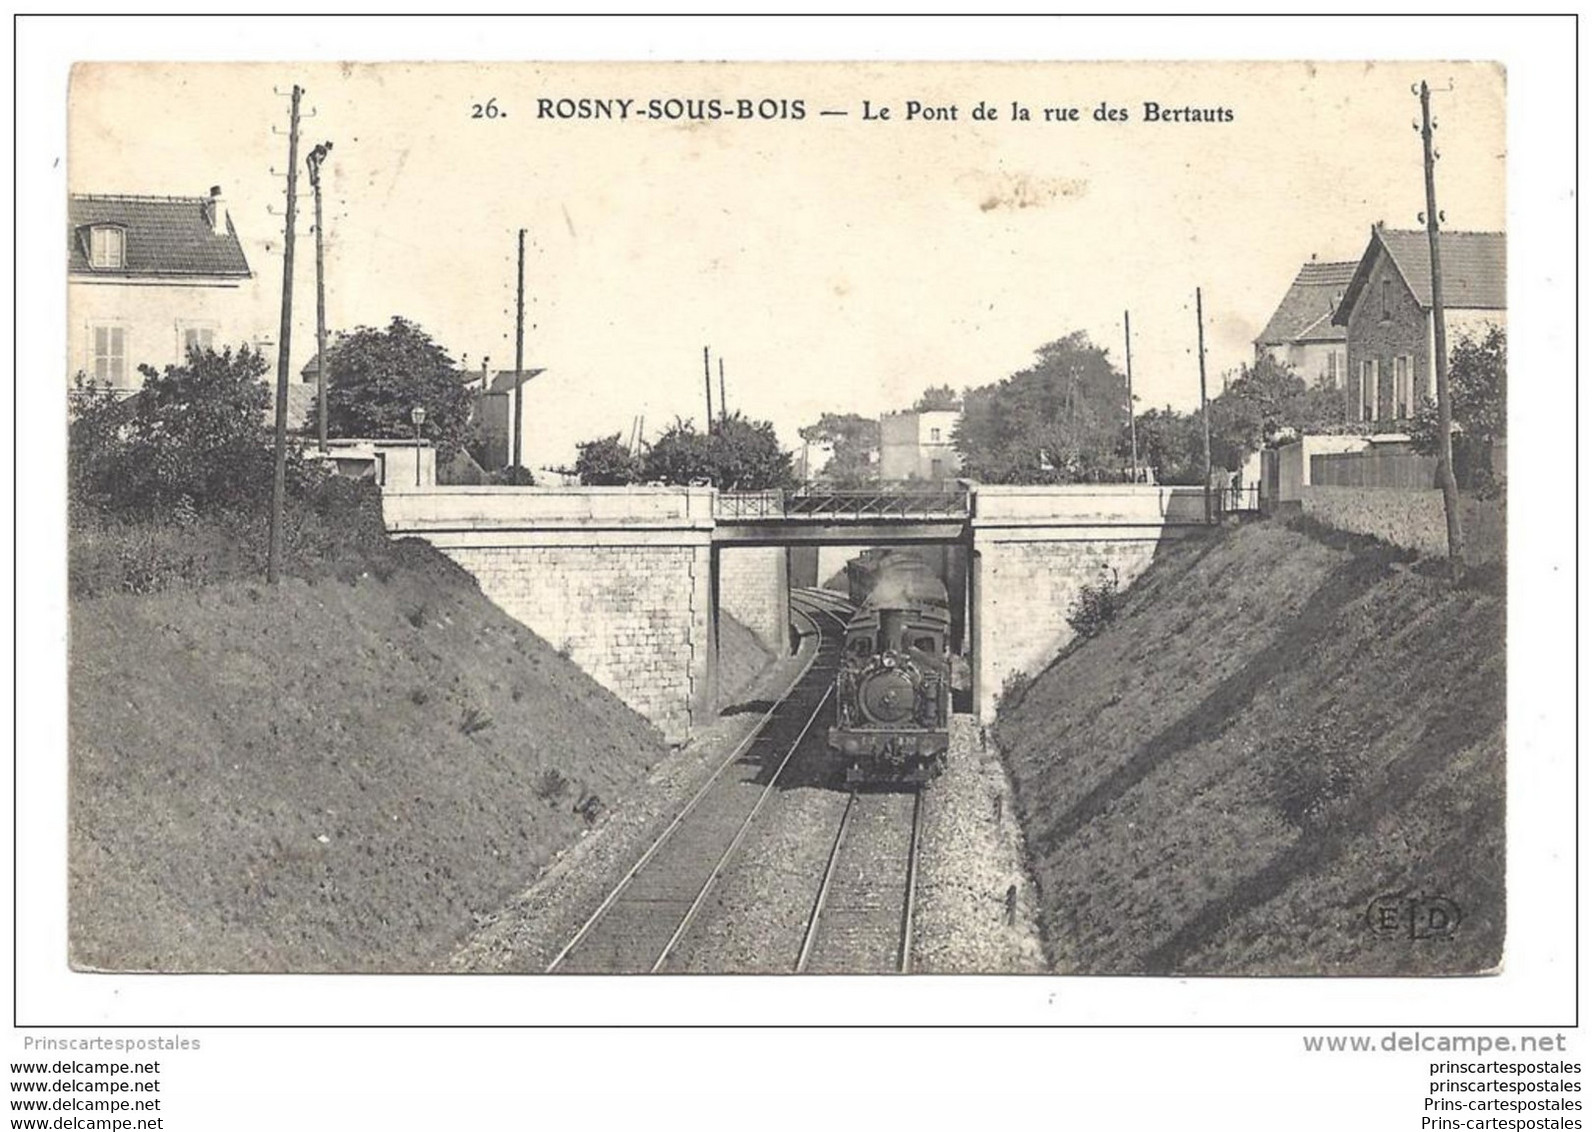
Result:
pixel 892 692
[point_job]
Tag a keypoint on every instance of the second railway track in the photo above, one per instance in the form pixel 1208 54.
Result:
pixel 861 921
pixel 638 926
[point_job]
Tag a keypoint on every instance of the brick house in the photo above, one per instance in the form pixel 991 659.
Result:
pixel 149 277
pixel 1387 314
pixel 1301 333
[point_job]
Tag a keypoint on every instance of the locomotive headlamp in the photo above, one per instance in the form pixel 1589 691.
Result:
pixel 889 661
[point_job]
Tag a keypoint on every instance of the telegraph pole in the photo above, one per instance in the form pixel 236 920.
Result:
pixel 1445 445
pixel 318 155
pixel 279 477
pixel 519 354
pixel 707 385
pixel 1205 409
pixel 1133 436
pixel 723 410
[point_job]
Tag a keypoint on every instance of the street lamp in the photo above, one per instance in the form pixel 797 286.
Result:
pixel 417 416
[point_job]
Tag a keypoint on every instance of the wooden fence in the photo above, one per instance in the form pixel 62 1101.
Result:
pixel 1374 469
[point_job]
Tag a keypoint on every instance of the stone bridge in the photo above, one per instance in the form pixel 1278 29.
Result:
pixel 629 581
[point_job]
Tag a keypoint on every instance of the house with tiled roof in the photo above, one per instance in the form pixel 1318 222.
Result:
pixel 148 279
pixel 1301 333
pixel 1386 314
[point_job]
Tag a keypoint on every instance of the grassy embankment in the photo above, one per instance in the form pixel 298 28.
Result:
pixel 1280 726
pixel 338 773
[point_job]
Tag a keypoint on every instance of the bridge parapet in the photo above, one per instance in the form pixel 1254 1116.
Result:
pixel 1059 506
pixel 479 510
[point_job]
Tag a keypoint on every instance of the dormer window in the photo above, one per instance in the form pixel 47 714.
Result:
pixel 107 247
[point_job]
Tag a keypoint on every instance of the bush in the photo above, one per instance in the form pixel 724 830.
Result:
pixel 606 462
pixel 513 476
pixel 590 808
pixel 194 433
pixel 736 454
pixel 551 785
pixel 1312 772
pixel 1096 606
pixel 474 720
pixel 335 531
pixel 1013 689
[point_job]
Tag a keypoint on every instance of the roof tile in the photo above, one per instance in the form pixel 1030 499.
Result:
pixel 165 236
pixel 1305 312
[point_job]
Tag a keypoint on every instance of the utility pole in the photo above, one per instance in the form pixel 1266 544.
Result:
pixel 1133 436
pixel 707 385
pixel 318 155
pixel 1205 409
pixel 519 355
pixel 723 410
pixel 1445 418
pixel 273 561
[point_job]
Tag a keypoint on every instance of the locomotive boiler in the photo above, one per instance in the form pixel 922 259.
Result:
pixel 892 692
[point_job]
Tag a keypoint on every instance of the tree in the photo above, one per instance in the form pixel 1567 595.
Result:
pixel 1172 444
pixel 680 456
pixel 747 456
pixel 376 378
pixel 1478 388
pixel 195 436
pixel 1322 408
pixel 605 462
pixel 853 443
pixel 1265 401
pixel 739 454
pixel 1057 421
pixel 937 398
pixel 1256 405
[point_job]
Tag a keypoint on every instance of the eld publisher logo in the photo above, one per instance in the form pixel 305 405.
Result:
pixel 1413 915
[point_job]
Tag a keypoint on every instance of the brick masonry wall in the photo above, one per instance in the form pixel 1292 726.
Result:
pixel 1026 591
pixel 1411 519
pixel 625 615
pixel 1402 333
pixel 753 589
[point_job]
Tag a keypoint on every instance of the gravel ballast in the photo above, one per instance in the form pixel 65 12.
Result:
pixel 971 857
pixel 753 920
pixel 529 931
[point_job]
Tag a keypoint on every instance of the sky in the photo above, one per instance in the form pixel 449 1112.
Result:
pixel 836 263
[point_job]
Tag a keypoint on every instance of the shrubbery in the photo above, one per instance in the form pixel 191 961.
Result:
pixel 172 487
pixel 736 453
pixel 193 439
pixel 512 476
pixel 1096 606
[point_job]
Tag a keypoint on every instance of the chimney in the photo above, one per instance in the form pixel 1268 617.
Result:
pixel 218 214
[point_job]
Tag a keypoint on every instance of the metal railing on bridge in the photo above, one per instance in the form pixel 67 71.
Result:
pixel 1236 500
pixel 819 503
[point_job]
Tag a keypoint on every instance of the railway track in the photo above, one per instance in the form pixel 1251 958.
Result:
pixel 861 921
pixel 639 925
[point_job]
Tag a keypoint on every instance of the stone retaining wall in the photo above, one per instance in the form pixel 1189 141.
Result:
pixel 629 616
pixel 753 589
pixel 1027 589
pixel 1411 519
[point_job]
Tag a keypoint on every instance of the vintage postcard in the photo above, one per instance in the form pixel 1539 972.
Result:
pixel 754 518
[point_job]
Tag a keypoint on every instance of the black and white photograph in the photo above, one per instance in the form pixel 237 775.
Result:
pixel 786 519
pixel 569 526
